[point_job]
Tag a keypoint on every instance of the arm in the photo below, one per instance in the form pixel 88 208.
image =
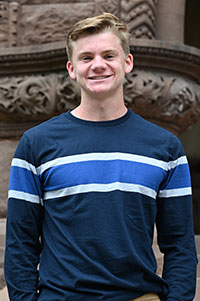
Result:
pixel 175 228
pixel 24 219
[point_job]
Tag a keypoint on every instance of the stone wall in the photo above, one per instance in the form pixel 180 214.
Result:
pixel 25 23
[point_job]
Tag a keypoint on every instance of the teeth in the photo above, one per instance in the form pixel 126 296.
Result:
pixel 99 77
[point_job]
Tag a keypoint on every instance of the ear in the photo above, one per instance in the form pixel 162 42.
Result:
pixel 128 63
pixel 70 69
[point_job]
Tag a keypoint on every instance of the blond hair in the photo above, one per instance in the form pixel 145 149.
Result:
pixel 101 23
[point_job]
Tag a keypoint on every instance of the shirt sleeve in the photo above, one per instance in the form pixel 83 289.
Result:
pixel 175 227
pixel 23 231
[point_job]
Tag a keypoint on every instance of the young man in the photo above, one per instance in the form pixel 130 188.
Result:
pixel 88 186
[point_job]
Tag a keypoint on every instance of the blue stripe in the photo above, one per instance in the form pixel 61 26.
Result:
pixel 102 172
pixel 98 172
pixel 178 177
pixel 22 179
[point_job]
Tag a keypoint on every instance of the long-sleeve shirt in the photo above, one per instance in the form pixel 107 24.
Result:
pixel 84 198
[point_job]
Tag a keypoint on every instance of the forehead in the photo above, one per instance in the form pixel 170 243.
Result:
pixel 97 42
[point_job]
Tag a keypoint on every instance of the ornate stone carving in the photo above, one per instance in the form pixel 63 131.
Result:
pixel 170 101
pixel 140 17
pixel 37 97
pixel 162 98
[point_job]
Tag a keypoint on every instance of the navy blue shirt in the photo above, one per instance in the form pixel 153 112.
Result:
pixel 84 198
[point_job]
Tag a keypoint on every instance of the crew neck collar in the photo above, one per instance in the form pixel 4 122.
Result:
pixel 106 123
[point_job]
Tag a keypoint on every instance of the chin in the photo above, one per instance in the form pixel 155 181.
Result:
pixel 100 89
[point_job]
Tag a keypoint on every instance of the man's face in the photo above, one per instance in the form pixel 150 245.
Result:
pixel 99 64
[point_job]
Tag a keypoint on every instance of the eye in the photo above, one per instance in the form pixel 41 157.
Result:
pixel 86 58
pixel 109 56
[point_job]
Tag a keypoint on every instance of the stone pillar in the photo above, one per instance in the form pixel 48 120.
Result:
pixel 170 20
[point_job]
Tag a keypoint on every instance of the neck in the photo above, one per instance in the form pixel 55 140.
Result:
pixel 99 109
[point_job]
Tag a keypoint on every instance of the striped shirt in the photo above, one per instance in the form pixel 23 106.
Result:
pixel 96 189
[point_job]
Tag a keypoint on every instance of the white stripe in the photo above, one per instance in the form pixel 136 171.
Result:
pixel 100 188
pixel 110 156
pixel 99 156
pixel 175 192
pixel 23 164
pixel 179 161
pixel 24 196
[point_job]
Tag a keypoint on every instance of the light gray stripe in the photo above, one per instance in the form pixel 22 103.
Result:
pixel 100 188
pixel 24 196
pixel 108 156
pixel 23 164
pixel 175 192
pixel 179 161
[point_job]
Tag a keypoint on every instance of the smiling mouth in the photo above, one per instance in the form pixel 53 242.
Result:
pixel 99 77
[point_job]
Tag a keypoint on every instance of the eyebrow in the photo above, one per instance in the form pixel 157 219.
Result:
pixel 84 53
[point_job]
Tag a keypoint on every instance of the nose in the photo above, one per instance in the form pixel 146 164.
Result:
pixel 98 63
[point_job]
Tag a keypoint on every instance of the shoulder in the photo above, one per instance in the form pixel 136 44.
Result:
pixel 147 126
pixel 158 139
pixel 44 128
pixel 151 129
pixel 40 140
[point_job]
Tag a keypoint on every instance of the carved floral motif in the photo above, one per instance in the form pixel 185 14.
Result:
pixel 169 101
pixel 37 97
